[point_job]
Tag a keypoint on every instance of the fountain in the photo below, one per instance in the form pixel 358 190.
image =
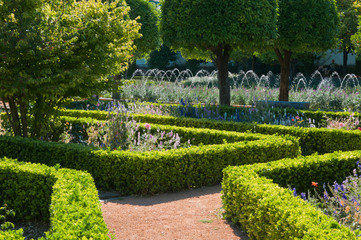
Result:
pixel 251 79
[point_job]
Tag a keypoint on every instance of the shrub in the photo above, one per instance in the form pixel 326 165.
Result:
pixel 65 197
pixel 256 196
pixel 157 171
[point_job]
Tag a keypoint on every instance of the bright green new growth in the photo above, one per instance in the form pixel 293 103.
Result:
pixel 218 27
pixel 54 50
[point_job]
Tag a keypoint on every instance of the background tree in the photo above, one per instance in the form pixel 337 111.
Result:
pixel 348 15
pixel 54 50
pixel 218 27
pixel 356 38
pixel 147 14
pixel 303 26
pixel 161 57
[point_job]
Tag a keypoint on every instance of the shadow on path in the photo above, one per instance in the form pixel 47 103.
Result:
pixel 160 198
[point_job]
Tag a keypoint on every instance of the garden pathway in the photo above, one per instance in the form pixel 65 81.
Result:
pixel 186 215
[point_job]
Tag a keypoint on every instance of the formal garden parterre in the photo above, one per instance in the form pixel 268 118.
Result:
pixel 53 160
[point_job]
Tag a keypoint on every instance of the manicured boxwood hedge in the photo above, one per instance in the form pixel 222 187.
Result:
pixel 157 171
pixel 256 196
pixel 67 198
pixel 311 140
pixel 196 135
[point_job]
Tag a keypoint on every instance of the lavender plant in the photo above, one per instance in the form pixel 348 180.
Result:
pixel 122 133
pixel 341 201
pixel 258 114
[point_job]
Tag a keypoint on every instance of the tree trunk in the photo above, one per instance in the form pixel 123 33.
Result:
pixel 14 117
pixel 116 81
pixel 344 65
pixel 285 63
pixel 222 57
pixel 23 116
pixel 253 62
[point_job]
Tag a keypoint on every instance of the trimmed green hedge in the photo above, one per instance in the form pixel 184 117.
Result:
pixel 65 197
pixel 197 136
pixel 311 140
pixel 256 196
pixel 157 171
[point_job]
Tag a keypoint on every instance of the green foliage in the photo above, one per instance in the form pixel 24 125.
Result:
pixel 67 198
pixel 217 27
pixel 157 171
pixel 51 51
pixel 303 26
pixel 348 15
pixel 307 25
pixel 206 24
pixel 268 210
pixel 147 14
pixel 161 58
pixel 311 139
pixel 356 38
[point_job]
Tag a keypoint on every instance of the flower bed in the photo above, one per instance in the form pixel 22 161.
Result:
pixel 311 139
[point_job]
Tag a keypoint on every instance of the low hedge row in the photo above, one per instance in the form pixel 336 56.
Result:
pixel 256 196
pixel 197 136
pixel 66 198
pixel 311 140
pixel 156 171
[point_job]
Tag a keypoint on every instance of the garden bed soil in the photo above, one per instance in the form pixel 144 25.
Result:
pixel 185 215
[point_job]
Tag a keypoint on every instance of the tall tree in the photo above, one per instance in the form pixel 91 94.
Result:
pixel 303 26
pixel 218 27
pixel 147 14
pixel 348 14
pixel 53 50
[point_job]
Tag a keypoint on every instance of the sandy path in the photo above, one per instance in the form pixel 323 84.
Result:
pixel 191 214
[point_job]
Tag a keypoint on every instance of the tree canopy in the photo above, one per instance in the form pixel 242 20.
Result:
pixel 348 14
pixel 303 26
pixel 218 27
pixel 145 13
pixel 58 49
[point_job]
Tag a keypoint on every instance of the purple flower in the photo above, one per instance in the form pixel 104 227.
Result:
pixel 344 196
pixel 336 187
pixel 294 192
pixel 325 195
pixel 303 196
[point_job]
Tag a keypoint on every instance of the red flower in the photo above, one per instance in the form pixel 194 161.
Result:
pixel 314 184
pixel 359 128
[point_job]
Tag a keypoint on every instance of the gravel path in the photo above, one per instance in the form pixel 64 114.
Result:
pixel 191 214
